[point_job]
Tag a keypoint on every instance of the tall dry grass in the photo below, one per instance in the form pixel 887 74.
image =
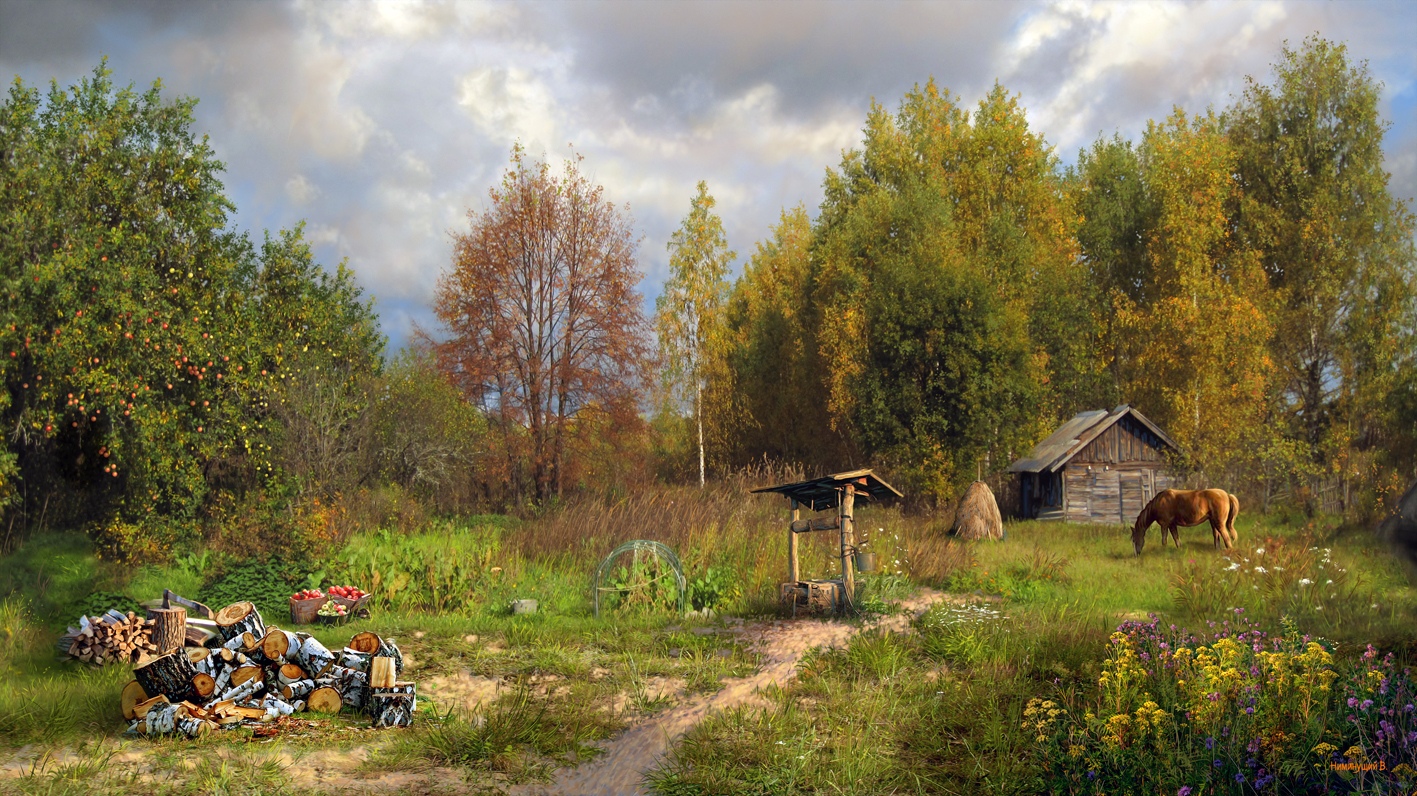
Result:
pixel 725 525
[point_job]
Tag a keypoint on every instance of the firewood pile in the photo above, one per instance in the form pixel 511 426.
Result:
pixel 259 674
pixel 109 638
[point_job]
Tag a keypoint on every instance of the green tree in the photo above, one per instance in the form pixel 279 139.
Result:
pixel 688 311
pixel 1336 246
pixel 141 338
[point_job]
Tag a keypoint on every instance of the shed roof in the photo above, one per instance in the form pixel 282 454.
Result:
pixel 818 494
pixel 1070 438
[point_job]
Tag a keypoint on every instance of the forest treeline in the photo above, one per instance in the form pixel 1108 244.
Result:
pixel 1242 276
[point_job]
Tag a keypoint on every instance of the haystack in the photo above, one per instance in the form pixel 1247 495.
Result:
pixel 978 514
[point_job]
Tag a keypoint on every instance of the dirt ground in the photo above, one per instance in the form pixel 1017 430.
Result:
pixel 618 771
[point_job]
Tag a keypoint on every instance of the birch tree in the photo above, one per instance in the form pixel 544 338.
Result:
pixel 687 312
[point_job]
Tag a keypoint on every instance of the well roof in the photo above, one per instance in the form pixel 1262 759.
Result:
pixel 1062 445
pixel 818 494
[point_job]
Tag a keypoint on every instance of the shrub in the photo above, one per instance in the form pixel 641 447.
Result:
pixel 268 585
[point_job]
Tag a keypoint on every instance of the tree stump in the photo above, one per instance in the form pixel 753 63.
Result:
pixel 169 629
pixel 238 618
pixel 168 675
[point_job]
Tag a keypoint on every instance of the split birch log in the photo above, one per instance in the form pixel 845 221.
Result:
pixel 354 659
pixel 246 690
pixel 352 684
pixel 244 674
pixel 133 693
pixel 325 699
pixel 170 675
pixel 279 646
pixel 202 659
pixel 371 643
pixel 169 629
pixel 393 707
pixel 314 657
pixel 298 689
pixel 238 618
pixel 289 673
pixel 203 686
pixel 382 673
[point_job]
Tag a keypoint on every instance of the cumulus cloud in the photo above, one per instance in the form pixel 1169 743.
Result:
pixel 382 123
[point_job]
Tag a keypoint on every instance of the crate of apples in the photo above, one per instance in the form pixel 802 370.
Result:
pixel 304 604
pixel 352 598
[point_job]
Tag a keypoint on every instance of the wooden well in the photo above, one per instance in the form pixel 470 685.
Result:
pixel 839 494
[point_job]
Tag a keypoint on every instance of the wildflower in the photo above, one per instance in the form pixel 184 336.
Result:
pixel 1184 791
pixel 1328 582
pixel 1259 551
pixel 1233 566
pixel 1239 776
pixel 1367 703
pixel 1260 570
pixel 1304 581
pixel 1374 605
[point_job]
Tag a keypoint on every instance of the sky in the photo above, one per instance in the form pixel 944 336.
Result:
pixel 382 125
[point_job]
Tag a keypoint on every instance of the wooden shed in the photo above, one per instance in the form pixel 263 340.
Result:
pixel 1100 467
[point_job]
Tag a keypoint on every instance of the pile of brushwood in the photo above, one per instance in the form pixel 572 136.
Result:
pixel 259 674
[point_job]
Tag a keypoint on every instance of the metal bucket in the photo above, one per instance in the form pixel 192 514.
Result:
pixel 865 562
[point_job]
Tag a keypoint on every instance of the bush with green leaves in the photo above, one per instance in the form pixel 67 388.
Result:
pixel 268 585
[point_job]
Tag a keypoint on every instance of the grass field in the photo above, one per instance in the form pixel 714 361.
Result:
pixel 939 709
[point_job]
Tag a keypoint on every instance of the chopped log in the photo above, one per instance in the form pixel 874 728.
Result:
pixel 244 674
pixel 238 618
pixel 352 684
pixel 169 675
pixel 203 686
pixel 393 707
pixel 314 657
pixel 279 645
pixel 325 699
pixel 354 659
pixel 382 673
pixel 203 659
pixel 246 690
pixel 141 708
pixel 170 599
pixel 133 693
pixel 169 629
pixel 371 643
pixel 289 673
pixel 298 689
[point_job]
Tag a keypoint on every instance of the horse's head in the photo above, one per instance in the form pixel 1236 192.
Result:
pixel 1139 530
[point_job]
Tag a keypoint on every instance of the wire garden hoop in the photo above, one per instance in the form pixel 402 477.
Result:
pixel 660 550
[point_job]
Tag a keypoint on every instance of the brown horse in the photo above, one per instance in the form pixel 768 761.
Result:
pixel 1173 507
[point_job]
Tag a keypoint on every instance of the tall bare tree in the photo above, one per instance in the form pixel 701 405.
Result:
pixel 541 314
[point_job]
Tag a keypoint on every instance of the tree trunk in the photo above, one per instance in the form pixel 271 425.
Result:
pixel 393 707
pixel 699 417
pixel 169 629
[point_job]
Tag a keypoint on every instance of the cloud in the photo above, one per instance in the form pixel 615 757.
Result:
pixel 382 124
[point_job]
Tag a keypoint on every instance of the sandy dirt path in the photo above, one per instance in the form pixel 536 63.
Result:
pixel 781 643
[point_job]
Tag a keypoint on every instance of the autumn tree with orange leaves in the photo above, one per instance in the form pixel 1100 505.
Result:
pixel 543 324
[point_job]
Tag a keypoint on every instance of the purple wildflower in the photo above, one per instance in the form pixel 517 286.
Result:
pixel 1184 791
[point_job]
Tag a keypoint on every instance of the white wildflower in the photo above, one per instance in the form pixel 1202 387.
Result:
pixel 1259 551
pixel 1260 570
pixel 1319 608
pixel 1328 582
pixel 1374 605
pixel 1279 569
pixel 1304 581
pixel 1234 565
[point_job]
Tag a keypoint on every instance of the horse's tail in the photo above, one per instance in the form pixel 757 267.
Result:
pixel 1230 521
